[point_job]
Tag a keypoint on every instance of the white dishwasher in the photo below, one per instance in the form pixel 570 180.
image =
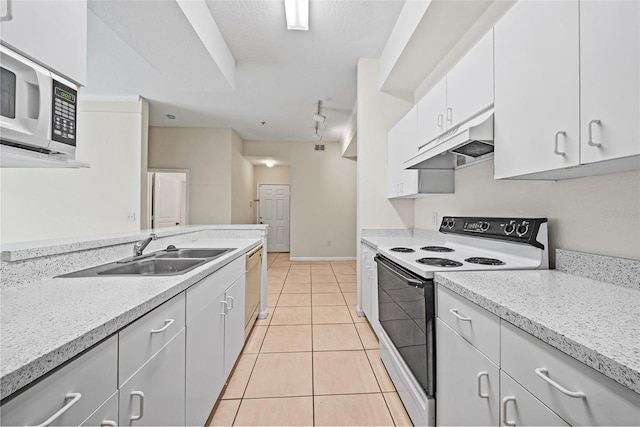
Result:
pixel 253 281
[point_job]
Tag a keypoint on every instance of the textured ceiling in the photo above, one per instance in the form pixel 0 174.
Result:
pixel 148 48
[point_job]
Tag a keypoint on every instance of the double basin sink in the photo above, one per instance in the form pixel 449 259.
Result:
pixel 168 262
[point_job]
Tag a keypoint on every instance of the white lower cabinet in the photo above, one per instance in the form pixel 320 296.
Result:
pixel 537 384
pixel 68 395
pixel 369 286
pixel 155 395
pixel 215 337
pixel 520 408
pixel 467 387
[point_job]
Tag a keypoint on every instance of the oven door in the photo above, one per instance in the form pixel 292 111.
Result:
pixel 407 315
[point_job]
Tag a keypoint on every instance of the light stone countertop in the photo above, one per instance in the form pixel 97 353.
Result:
pixel 47 323
pixel 595 322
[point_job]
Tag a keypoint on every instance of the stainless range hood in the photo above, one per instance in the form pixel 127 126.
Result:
pixel 472 139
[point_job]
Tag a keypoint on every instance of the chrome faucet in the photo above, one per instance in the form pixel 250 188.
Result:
pixel 139 246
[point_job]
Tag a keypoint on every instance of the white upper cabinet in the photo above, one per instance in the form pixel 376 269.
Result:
pixel 431 111
pixel 401 145
pixel 470 83
pixel 536 122
pixel 53 33
pixel 609 79
pixel 567 98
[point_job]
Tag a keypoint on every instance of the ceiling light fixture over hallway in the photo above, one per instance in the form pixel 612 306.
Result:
pixel 297 14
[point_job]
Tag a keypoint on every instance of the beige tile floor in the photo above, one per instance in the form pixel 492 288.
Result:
pixel 313 361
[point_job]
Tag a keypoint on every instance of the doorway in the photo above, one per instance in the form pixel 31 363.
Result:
pixel 168 198
pixel 274 211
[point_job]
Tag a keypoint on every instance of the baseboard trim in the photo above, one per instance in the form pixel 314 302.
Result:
pixel 302 258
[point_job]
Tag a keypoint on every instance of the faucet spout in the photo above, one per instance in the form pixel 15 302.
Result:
pixel 138 247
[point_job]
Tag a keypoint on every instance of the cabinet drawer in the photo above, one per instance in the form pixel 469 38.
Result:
pixel 92 377
pixel 522 408
pixel 481 328
pixel 205 291
pixel 605 403
pixel 105 415
pixel 143 338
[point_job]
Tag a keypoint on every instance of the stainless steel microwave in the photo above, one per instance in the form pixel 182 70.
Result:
pixel 38 109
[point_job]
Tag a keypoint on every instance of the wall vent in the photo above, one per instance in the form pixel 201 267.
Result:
pixel 319 147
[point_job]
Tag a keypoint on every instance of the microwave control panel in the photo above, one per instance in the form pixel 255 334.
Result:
pixel 65 100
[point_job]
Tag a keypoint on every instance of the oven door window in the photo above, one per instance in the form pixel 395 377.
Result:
pixel 7 93
pixel 403 315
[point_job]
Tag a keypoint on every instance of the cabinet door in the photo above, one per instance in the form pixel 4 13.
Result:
pixel 234 324
pixel 431 113
pixel 519 407
pixel 467 391
pixel 610 79
pixel 365 280
pixel 105 415
pixel 53 33
pixel 204 362
pixel 470 83
pixel 155 395
pixel 401 146
pixel 394 139
pixel 536 88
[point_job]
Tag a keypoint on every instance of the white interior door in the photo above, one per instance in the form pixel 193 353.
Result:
pixel 274 211
pixel 167 201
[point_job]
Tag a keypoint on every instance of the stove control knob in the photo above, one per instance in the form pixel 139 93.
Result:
pixel 522 229
pixel 509 228
pixel 484 226
pixel 451 222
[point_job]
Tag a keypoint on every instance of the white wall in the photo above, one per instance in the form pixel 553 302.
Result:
pixel 206 152
pixel 54 203
pixel 242 184
pixel 377 113
pixel 323 197
pixel 273 175
pixel 597 214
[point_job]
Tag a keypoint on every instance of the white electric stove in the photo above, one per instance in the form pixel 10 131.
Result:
pixel 406 293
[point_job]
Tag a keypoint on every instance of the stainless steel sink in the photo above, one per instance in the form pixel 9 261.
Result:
pixel 156 267
pixel 169 262
pixel 191 253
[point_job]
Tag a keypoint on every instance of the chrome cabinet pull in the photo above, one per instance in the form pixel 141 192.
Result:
pixel 225 309
pixel 75 397
pixel 454 311
pixel 449 114
pixel 556 150
pixel 7 16
pixel 505 419
pixel 167 323
pixel 590 126
pixel 479 377
pixel 543 373
pixel 440 120
pixel 232 302
pixel 108 423
pixel 141 413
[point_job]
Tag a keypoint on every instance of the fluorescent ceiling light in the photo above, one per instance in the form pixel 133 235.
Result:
pixel 297 13
pixel 269 164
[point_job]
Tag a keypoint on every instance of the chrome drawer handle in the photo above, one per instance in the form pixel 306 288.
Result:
pixel 480 375
pixel 505 419
pixel 141 413
pixel 454 311
pixel 167 323
pixel 109 423
pixel 556 150
pixel 590 126
pixel 232 302
pixel 440 120
pixel 449 114
pixel 75 397
pixel 225 309
pixel 542 373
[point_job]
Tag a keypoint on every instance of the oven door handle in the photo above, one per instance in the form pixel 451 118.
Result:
pixel 410 281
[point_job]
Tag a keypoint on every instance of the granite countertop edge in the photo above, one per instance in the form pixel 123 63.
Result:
pixel 611 368
pixel 14 378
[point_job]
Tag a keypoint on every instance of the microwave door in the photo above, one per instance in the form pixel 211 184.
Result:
pixel 26 98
